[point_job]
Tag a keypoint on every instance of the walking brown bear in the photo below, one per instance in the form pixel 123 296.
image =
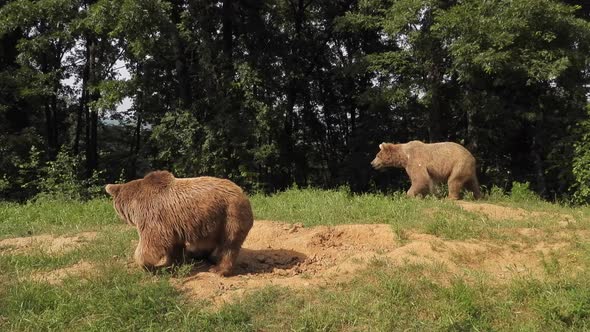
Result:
pixel 429 164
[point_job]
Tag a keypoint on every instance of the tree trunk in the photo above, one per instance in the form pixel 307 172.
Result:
pixel 182 75
pixel 435 118
pixel 92 114
pixel 471 106
pixel 135 147
pixel 49 106
pixel 54 120
pixel 228 38
pixel 293 69
pixel 82 109
pixel 434 79
pixel 82 117
pixel 536 153
pixel 48 130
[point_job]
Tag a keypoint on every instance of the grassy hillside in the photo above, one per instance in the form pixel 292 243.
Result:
pixel 41 290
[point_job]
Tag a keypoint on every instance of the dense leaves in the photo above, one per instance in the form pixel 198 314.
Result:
pixel 272 93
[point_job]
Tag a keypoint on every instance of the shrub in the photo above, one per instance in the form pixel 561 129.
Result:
pixel 61 178
pixel 521 192
pixel 581 164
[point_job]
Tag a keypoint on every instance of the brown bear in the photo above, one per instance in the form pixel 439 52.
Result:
pixel 429 164
pixel 175 216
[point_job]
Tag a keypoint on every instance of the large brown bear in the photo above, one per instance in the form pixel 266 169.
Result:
pixel 428 164
pixel 194 216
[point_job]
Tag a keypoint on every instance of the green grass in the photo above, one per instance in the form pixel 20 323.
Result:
pixel 438 217
pixel 414 297
pixel 54 216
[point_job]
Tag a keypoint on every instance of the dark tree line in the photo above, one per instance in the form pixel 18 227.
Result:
pixel 271 93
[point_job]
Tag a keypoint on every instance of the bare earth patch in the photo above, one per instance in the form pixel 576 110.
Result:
pixel 55 277
pixel 47 243
pixel 290 255
pixel 502 212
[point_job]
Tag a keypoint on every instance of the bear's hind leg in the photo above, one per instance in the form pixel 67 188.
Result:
pixel 227 258
pixel 238 223
pixel 457 181
pixel 473 186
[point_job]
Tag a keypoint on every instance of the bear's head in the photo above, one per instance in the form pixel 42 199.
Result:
pixel 129 198
pixel 389 155
pixel 121 198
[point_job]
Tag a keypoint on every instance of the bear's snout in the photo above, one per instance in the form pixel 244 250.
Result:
pixel 376 163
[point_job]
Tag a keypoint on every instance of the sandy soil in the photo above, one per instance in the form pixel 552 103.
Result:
pixel 55 277
pixel 48 243
pixel 289 255
pixel 502 212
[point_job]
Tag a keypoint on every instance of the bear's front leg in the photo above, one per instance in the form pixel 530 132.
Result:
pixel 454 189
pixel 151 255
pixel 422 185
pixel 413 191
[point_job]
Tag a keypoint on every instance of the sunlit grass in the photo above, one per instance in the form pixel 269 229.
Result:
pixel 118 296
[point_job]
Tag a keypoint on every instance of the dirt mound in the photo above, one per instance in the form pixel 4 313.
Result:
pixel 502 212
pixel 55 277
pixel 290 255
pixel 46 243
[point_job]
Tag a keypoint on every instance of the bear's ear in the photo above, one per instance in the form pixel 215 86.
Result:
pixel 113 189
pixel 381 146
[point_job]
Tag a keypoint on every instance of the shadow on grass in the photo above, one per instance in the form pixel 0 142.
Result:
pixel 250 262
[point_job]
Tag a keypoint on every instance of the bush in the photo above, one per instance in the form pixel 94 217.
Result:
pixel 61 178
pixel 521 192
pixel 496 193
pixel 581 165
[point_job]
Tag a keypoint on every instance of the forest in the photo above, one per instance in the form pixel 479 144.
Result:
pixel 274 94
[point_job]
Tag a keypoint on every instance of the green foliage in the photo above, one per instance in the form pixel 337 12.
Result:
pixel 61 179
pixel 529 36
pixel 488 65
pixel 19 164
pixel 278 92
pixel 521 192
pixel 496 193
pixel 581 164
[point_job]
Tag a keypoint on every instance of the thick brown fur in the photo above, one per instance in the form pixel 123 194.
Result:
pixel 429 164
pixel 198 216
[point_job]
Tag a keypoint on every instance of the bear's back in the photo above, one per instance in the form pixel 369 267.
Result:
pixel 440 158
pixel 208 185
pixel 449 150
pixel 197 205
